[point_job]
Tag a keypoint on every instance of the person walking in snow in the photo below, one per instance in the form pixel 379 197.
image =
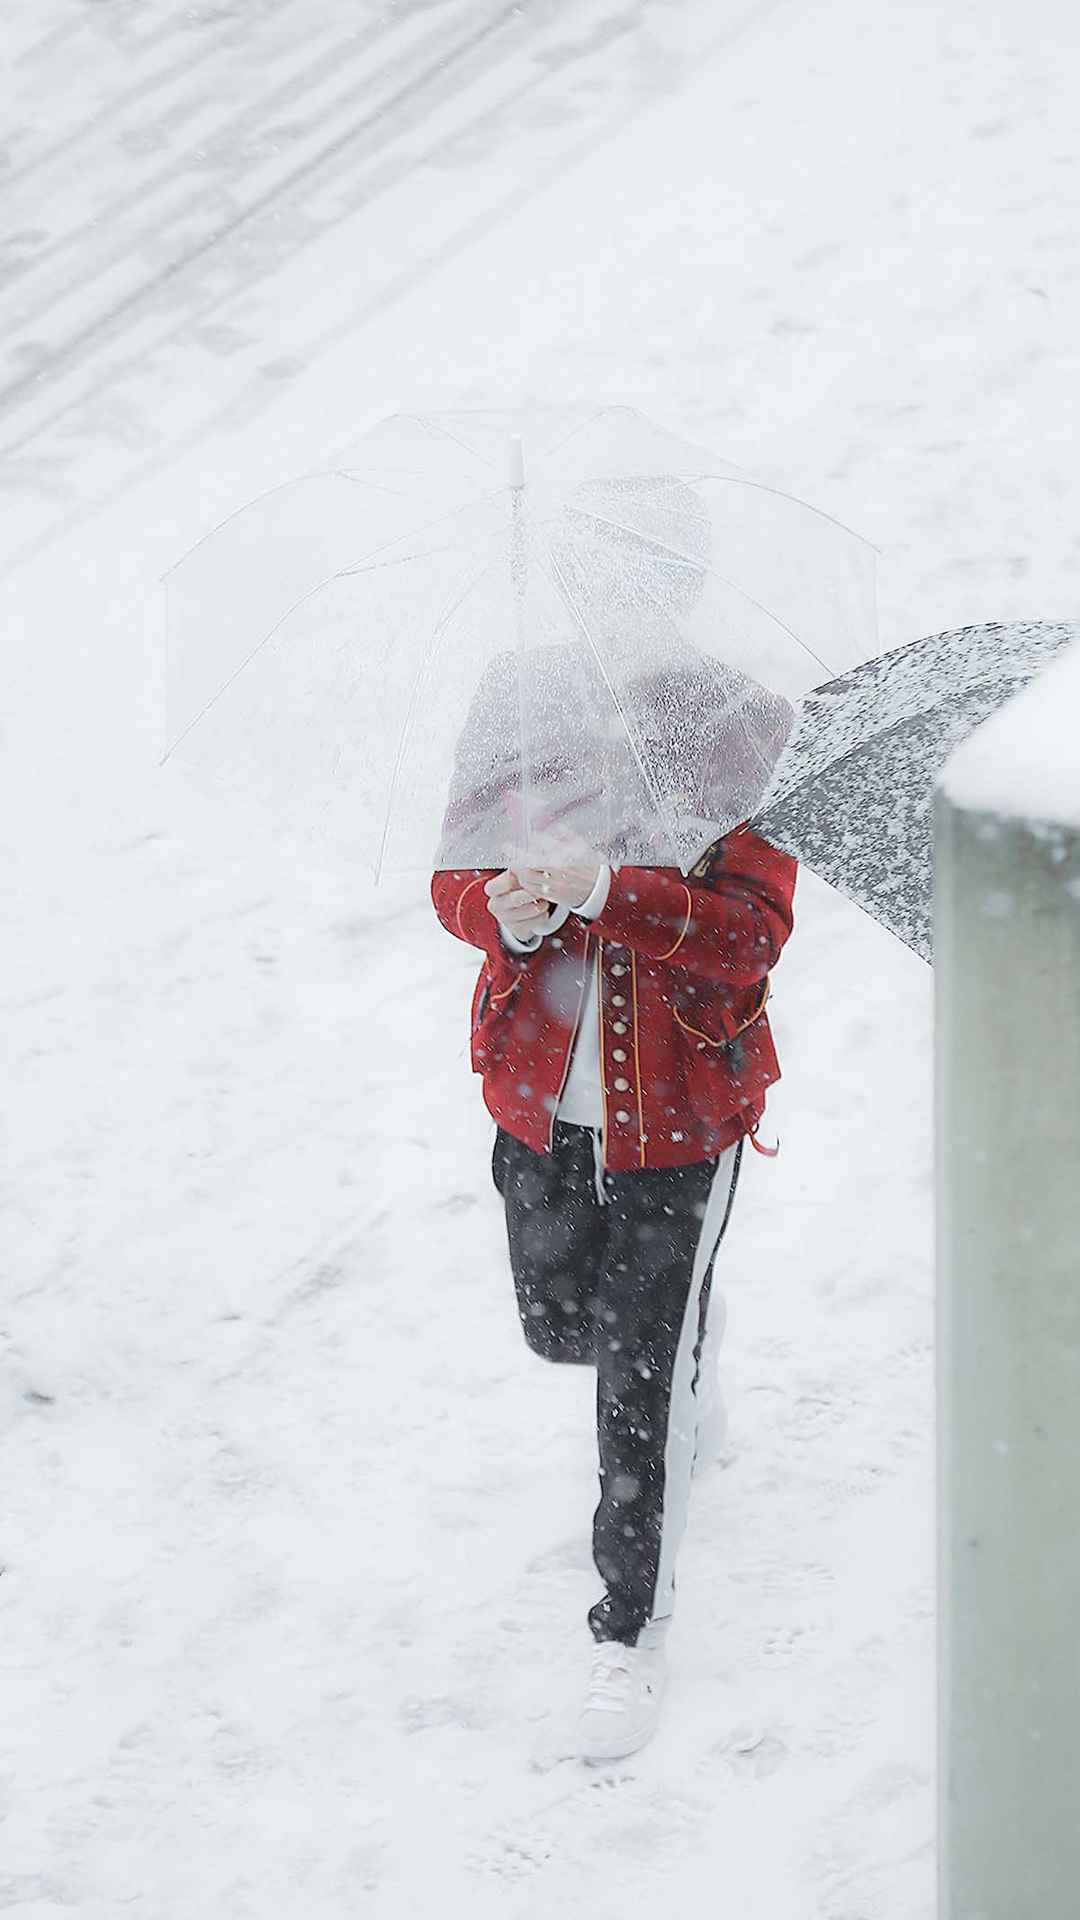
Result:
pixel 619 1025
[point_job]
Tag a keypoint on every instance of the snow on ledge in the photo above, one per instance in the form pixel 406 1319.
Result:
pixel 1024 762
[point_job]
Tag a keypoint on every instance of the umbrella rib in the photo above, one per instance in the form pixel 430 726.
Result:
pixel 779 493
pixel 426 526
pixel 590 420
pixel 432 425
pixel 661 546
pixel 762 486
pixel 344 573
pixel 246 662
pixel 316 473
pixel 739 710
pixel 563 588
pixel 359 478
pixel 414 699
pixel 355 477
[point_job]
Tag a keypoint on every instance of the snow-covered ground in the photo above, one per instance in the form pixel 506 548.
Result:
pixel 295 1535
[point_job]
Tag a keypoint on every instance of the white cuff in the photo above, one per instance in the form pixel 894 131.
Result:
pixel 555 919
pixel 514 945
pixel 593 907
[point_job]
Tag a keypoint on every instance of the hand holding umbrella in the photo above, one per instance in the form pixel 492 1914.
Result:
pixel 515 904
pixel 567 883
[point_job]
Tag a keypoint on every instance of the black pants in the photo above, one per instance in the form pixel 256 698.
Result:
pixel 622 1283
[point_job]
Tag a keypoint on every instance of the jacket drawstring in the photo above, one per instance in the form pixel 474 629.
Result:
pixel 598 1166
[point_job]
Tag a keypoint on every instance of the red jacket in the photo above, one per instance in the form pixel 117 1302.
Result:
pixel 682 971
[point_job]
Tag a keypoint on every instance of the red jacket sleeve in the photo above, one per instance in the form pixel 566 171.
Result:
pixel 461 904
pixel 728 920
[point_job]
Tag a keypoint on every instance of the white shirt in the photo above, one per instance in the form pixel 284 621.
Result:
pixel 582 1101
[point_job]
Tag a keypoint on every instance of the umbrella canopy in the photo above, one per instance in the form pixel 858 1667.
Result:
pixel 692 745
pixel 439 651
pixel 852 794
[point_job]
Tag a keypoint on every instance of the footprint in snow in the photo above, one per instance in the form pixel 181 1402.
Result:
pixel 753 1752
pixel 782 1646
pixel 512 1856
pixel 415 1714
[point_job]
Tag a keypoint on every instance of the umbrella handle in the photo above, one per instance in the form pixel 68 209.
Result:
pixel 515 809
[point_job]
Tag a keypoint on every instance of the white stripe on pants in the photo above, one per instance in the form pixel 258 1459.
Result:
pixel 683 1408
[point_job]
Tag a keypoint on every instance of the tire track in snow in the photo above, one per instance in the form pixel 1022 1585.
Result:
pixel 138 94
pixel 571 67
pixel 156 201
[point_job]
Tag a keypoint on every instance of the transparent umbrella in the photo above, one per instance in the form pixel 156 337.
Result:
pixel 483 632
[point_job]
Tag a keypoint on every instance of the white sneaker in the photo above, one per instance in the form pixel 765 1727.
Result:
pixel 622 1701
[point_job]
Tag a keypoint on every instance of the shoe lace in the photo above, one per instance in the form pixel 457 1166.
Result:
pixel 612 1665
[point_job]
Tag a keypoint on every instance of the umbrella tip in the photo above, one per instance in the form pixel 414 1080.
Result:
pixel 517 461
